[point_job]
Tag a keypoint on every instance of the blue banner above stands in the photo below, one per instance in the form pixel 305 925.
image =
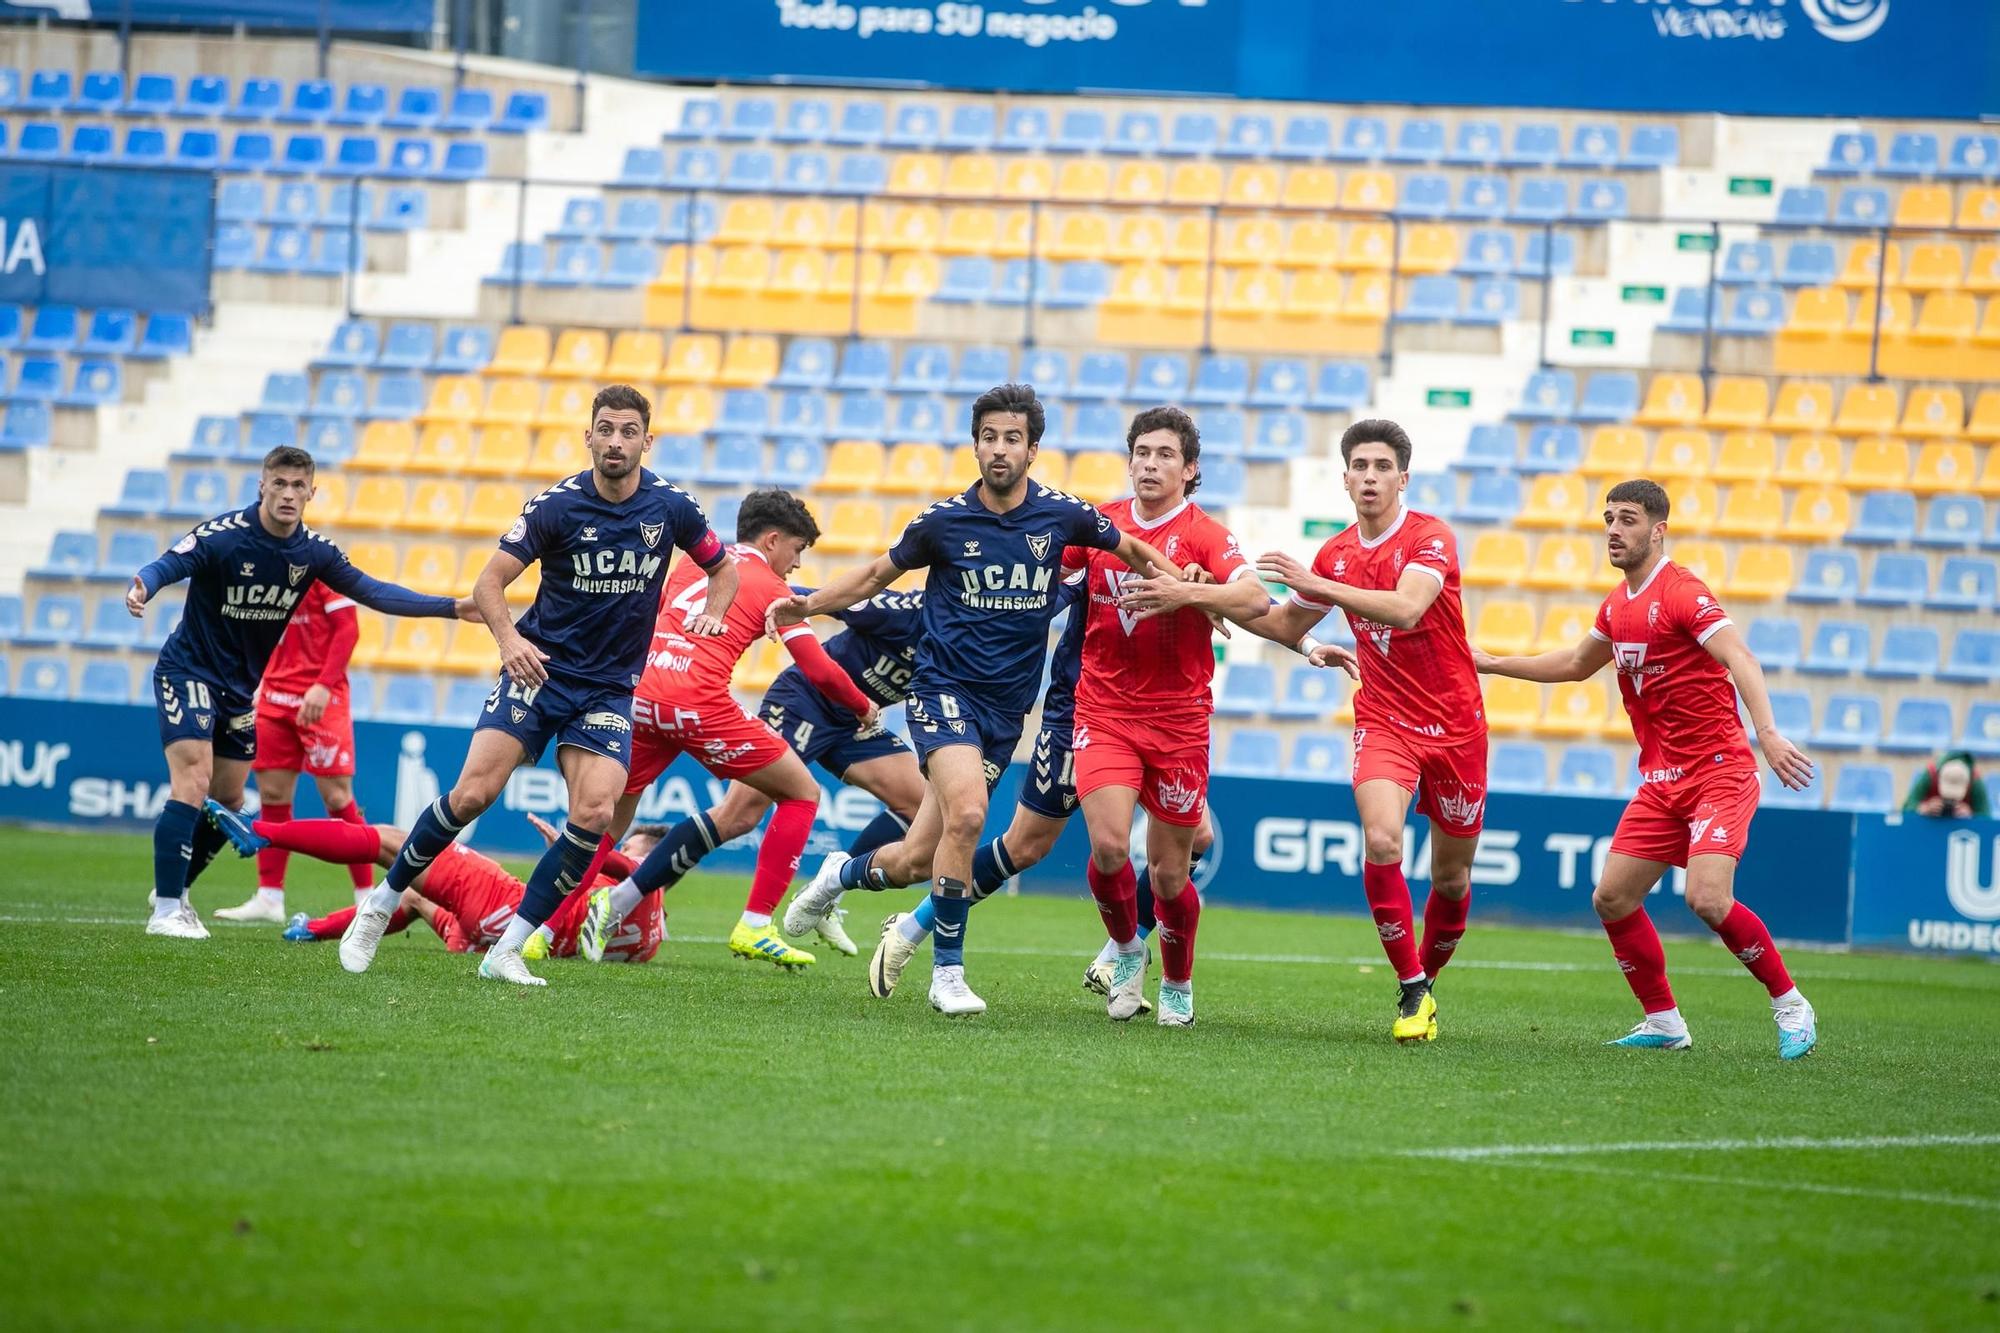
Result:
pixel 1776 57
pixel 1927 885
pixel 98 236
pixel 304 15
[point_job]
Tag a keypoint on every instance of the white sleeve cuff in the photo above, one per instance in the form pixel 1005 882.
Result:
pixel 338 604
pixel 1599 635
pixel 1241 572
pixel 1709 633
pixel 787 635
pixel 1437 574
pixel 1309 604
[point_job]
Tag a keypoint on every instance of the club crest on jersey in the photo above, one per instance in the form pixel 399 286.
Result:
pixel 1172 550
pixel 958 726
pixel 649 533
pixel 1397 560
pixel 202 720
pixel 1653 616
pixel 971 549
pixel 1039 546
pixel 1461 808
pixel 514 534
pixel 520 715
pixel 296 572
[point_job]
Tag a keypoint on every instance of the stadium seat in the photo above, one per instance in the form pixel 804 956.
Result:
pixel 1838 648
pixel 1966 583
pixel 1829 577
pixel 42 678
pixel 1982 729
pixel 1519 767
pixel 1974 659
pixel 1251 752
pixel 1556 502
pixel 1586 770
pixel 1897 580
pixel 1777 641
pixel 1496 560
pixel 1318 758
pixel 1249 689
pixel 1849 722
pixel 1512 705
pixel 1564 564
pixel 1885 518
pixel 71 555
pixel 58 619
pixel 1919 726
pixel 1819 513
pixel 1550 395
pixel 1504 627
pixel 1863 788
pixel 1576 708
pixel 1491 497
pixel 1908 652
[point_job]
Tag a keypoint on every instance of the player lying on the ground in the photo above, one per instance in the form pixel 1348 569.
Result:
pixel 1681 666
pixel 247 572
pixel 467 898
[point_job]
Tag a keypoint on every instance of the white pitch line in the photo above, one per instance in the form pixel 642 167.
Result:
pixel 1485 1152
pixel 1740 1183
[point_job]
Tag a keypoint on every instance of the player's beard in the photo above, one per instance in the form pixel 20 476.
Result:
pixel 618 470
pixel 1013 477
pixel 1632 557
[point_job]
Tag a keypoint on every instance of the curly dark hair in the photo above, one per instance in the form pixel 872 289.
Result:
pixel 622 398
pixel 764 510
pixel 1011 398
pixel 1181 424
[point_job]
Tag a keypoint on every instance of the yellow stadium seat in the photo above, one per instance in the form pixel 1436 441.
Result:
pixel 471 563
pixel 511 402
pixel 1753 509
pixel 1097 476
pixel 1985 422
pixel 757 668
pixel 1935 267
pixel 683 266
pixel 970 231
pixel 416 645
pixel 1077 236
pixel 1315 295
pixel 914 469
pixel 522 350
pixel 1195 183
pixel 1818 312
pixel 559 453
pixel 798 276
pixel 1369 246
pixel 436 506
pixel 907 227
pixel 471 651
pixel 1989 475
pixel 1615 451
pixel 1879 463
pixel 1896 316
pixel 502 451
pixel 1811 458
pixel 580 352
pixel 453 398
pixel 1820 513
pixel 1429 247
pixel 1695 505
pixel 1858 270
pixel 636 357
pixel 329 499
pixel 429 567
pixel 1706 560
pixel 385 447
pixel 1139 183
pixel 1312 243
pixel 1257 240
pixel 1577 708
pixel 751 361
pixel 1556 502
pixel 1497 560
pixel 1311 187
pixel 1943 466
pixel 1764 573
pixel 1931 413
pixel 1251 293
pixel 683 410
pixel 853 465
pixel 747 221
pixel 963 468
pixel 493 508
pixel 445 448
pixel 1947 318
pixel 1367 298
pixel 1979 210
pixel 566 403
pixel 1027 178
pixel 1564 564
pixel 804 222
pixel 1252 185
pixel 1512 705
pixel 1010 240
pixel 1083 182
pixel 1739 401
pixel 1139 238
pixel 1189 239
pixel 378 502
pixel 1803 405
pixel 374 636
pixel 1866 409
pixel 1924 206
pixel 1746 455
pixel 1368 192
pixel 1682 453
pixel 853 526
pixel 1672 400
pixel 523 589
pixel 1982 274
pixel 1504 627
pixel 1565 625
pixel 918 173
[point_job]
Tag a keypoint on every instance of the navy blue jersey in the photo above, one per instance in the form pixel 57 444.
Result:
pixel 992 587
pixel 243 585
pixel 879 646
pixel 603 566
pixel 1066 662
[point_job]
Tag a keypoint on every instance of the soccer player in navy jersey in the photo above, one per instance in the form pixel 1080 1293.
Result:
pixel 604 537
pixel 247 572
pixel 995 559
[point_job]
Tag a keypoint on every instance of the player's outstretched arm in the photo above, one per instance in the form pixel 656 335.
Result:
pixel 1578 663
pixel 1290 624
pixel 723 581
pixel 521 660
pixel 171 567
pixel 1143 559
pixel 1240 599
pixel 1726 646
pixel 842 591
pixel 391 599
pixel 1400 608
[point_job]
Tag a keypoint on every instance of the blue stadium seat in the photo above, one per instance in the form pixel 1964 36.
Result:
pixel 95 383
pixel 296 203
pixel 1099 376
pixel 797 463
pixel 967 280
pixel 1489 446
pixel 258 99
pixel 1481 199
pixel 1221 381
pixel 630 264
pixel 1280 436
pixel 1081 130
pixel 124 554
pixel 40 141
pixel 1487 252
pixel 1047 370
pixel 1492 301
pixel 1552 449
pixel 1310 692
pixel 864 365
pixel 57 620
pixel 1097 426
pixel 1966 583
pixel 102 92
pixel 1849 722
pixel 72 555
pixel 917 125
pixel 1419 140
pixel 54 329
pixel 1224 482
pixel 1549 395
pixel 862 173
pixel 1251 752
pixel 1136 132
pixel 1809 264
pixel 522 112
pixel 1025 130
pixel 1602 201
pixel 700 118
pixel 417 108
pixel 1593 143
pixel 808 364
pixel 26 426
pixel 1320 759
pixel 1652 146
pixel 1792 711
pixel 1972 157
pixel 114 331
pixel 1518 766
pixel 38 378
pixel 145 146
pixel 750 120
pixel 970 129
pixel 1777 641
pixel 361 695
pixel 364 105
pixel 357 342
pixel 1828 576
pixel 1953 521
pixel 1755 312
pixel 1341 386
pixel 864 416
pixel 462 162
pixel 92 143
pixel 521 261
pixel 11 617
pixel 10 326
pixel 1586 770
pixel 1556 253
pixel 1362 139
pixel 1491 497
pixel 751 169
pixel 285 391
pixel 464 700
pixel 409 346
pixel 1850 154
pixel 1839 648
pixel 1611 395
pixel 1982 729
pixel 1250 134
pixel 1194 134
pixel 1691 310
pixel 111 625
pixel 1866 788
pixel 216 437
pixel 1884 518
pixel 1975 658
pixel 470 112
pixel 860 125
pixel 802 412
pixel 979 369
pixel 643 168
pixel 1477 144
pixel 42 678
pixel 920 420
pixel 330 440
pixel 735 459
pixel 1920 726
pixel 1535 144
pixel 48 90
pixel 407 698
pixel 402 208
pixel 804 173
pixel 312 103
pixel 1803 206
pixel 1912 153
pixel 268 430
pixel 576 264
pixel 1224 430
pixel 1747 262
pixel 250 150
pixel 357 155
pixel 1908 652
pixel 206 96
pixel 1861 207
pixel 152 95
pixel 340 394
pixel 143 494
pixel 744 410
pixel 1432 493
pixel 1161 377
pixel 680 455
pixel 1898 579
pixel 639 220
pixel 1429 300
pixel 1307 138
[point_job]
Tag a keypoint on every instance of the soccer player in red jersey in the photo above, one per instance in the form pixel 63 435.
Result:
pixel 303 723
pixel 1681 665
pixel 1143 703
pixel 1419 720
pixel 683 706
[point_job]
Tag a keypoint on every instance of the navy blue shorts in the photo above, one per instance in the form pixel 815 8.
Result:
pixel 592 717
pixel 824 733
pixel 943 713
pixel 193 707
pixel 1049 790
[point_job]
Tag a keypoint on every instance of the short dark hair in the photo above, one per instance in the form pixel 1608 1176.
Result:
pixel 1647 494
pixel 622 398
pixel 1181 424
pixel 1376 430
pixel 1011 398
pixel 657 832
pixel 764 510
pixel 288 455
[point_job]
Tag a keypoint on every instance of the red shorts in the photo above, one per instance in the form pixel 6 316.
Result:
pixel 1447 777
pixel 325 749
pixel 1702 814
pixel 717 733
pixel 1166 764
pixel 475 890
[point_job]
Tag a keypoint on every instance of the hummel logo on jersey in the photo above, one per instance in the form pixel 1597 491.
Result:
pixel 1039 545
pixel 1460 809
pixel 249 569
pixel 971 549
pixel 649 533
pixel 296 572
pixel 588 535
pixel 520 715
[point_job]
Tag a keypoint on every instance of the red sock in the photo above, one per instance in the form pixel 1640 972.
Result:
pixel 1744 933
pixel 1636 946
pixel 333 840
pixel 1179 918
pixel 778 858
pixel 1444 926
pixel 362 873
pixel 596 864
pixel 1117 897
pixel 331 926
pixel 271 860
pixel 1389 900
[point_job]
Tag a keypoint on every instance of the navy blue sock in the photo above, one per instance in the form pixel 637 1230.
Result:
pixel 859 872
pixel 882 830
pixel 434 831
pixel 207 841
pixel 1146 918
pixel 992 867
pixel 677 853
pixel 951 904
pixel 557 873
pixel 173 846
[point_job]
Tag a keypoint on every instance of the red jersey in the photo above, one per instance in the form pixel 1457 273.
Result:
pixel 683 666
pixel 1419 679
pixel 1681 700
pixel 1164 664
pixel 637 939
pixel 301 658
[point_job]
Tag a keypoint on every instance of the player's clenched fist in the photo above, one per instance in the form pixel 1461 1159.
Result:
pixel 135 597
pixel 781 614
pixel 522 662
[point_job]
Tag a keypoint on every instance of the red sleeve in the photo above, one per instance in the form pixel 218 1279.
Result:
pixel 1435 551
pixel 617 866
pixel 1600 628
pixel 823 672
pixel 1075 558
pixel 346 626
pixel 1221 554
pixel 1322 565
pixel 1694 608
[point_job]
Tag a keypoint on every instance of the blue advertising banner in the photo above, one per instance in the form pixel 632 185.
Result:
pixel 1927 885
pixel 1779 57
pixel 95 236
pixel 308 15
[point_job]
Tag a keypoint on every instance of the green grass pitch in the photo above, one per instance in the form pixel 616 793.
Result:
pixel 238 1134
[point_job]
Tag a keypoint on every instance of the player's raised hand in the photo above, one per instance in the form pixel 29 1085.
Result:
pixel 1333 655
pixel 135 597
pixel 783 614
pixel 545 828
pixel 522 662
pixel 871 723
pixel 1786 760
pixel 1162 590
pixel 468 610
pixel 1282 567
pixel 1194 573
